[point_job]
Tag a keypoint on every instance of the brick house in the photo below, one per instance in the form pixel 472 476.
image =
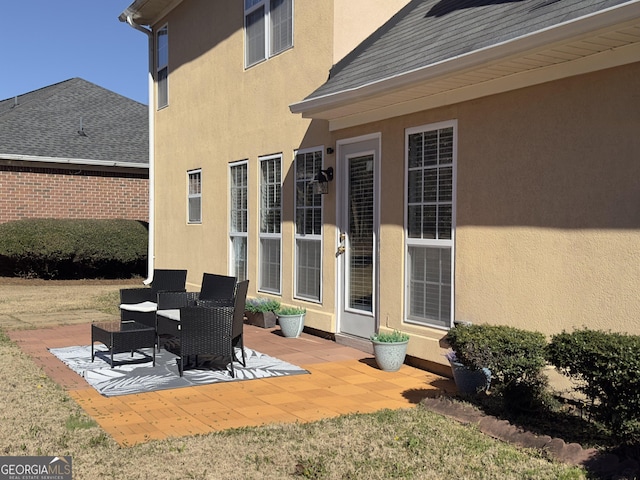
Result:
pixel 73 150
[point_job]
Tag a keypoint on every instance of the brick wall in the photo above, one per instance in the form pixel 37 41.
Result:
pixel 28 192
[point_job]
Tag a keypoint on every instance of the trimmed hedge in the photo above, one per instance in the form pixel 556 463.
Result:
pixel 607 366
pixel 69 248
pixel 515 357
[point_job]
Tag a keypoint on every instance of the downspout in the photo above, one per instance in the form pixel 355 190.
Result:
pixel 152 214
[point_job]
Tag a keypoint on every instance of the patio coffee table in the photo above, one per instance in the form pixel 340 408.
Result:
pixel 123 336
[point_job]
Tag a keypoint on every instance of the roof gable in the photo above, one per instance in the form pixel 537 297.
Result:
pixel 75 119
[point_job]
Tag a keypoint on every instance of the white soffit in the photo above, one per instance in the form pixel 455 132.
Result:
pixel 608 39
pixel 148 12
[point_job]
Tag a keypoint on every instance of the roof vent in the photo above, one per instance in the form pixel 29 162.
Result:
pixel 15 102
pixel 81 131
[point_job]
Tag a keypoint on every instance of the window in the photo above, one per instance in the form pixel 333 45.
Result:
pixel 268 26
pixel 162 66
pixel 308 233
pixel 430 223
pixel 238 220
pixel 270 220
pixel 194 197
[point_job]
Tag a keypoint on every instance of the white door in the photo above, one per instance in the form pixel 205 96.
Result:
pixel 358 163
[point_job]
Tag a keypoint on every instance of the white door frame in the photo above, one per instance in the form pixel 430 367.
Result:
pixel 347 148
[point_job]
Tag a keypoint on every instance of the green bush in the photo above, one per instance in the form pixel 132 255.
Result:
pixel 62 248
pixel 607 367
pixel 393 337
pixel 262 305
pixel 515 357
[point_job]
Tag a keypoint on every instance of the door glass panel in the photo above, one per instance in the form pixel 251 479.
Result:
pixel 361 225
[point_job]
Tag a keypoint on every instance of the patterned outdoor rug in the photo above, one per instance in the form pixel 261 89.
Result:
pixel 137 375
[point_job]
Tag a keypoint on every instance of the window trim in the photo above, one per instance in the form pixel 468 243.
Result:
pixel 159 68
pixel 418 242
pixel 319 237
pixel 267 53
pixel 269 235
pixel 232 235
pixel 193 195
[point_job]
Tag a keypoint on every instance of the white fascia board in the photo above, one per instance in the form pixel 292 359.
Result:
pixel 564 31
pixel 72 161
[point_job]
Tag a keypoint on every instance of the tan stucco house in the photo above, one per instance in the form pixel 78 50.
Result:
pixel 482 159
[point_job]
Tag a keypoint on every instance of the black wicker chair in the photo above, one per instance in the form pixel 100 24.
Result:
pixel 219 289
pixel 210 329
pixel 139 304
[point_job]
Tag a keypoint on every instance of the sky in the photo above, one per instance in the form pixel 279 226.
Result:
pixel 43 42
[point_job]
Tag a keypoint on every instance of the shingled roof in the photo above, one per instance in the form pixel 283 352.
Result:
pixel 457 43
pixel 427 32
pixel 75 120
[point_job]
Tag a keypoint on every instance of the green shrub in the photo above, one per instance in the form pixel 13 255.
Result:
pixel 262 305
pixel 515 357
pixel 287 310
pixel 607 367
pixel 393 337
pixel 64 248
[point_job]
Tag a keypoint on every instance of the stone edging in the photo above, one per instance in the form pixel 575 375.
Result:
pixel 604 465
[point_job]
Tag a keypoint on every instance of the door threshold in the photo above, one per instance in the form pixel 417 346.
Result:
pixel 359 343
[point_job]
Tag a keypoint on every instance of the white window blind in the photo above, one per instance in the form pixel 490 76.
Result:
pixel 162 66
pixel 194 196
pixel 268 26
pixel 270 224
pixel 238 228
pixel 308 209
pixel 361 226
pixel 430 163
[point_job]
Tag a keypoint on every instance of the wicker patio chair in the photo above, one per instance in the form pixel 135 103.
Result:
pixel 140 304
pixel 219 289
pixel 210 329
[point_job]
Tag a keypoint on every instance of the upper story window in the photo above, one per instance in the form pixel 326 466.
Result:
pixel 268 26
pixel 194 197
pixel 162 66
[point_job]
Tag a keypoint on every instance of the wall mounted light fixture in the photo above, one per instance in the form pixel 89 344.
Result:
pixel 321 182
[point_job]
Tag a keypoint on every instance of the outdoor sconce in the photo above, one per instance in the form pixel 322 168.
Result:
pixel 321 182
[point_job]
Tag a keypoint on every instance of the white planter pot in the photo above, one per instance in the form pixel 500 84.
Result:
pixel 389 355
pixel 291 325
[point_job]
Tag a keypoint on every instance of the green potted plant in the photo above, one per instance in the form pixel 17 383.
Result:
pixel 261 311
pixel 390 349
pixel 291 320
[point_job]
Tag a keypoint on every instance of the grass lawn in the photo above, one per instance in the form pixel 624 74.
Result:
pixel 37 417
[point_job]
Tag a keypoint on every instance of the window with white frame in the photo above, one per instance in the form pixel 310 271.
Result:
pixel 430 223
pixel 162 66
pixel 270 223
pixel 308 232
pixel 268 26
pixel 194 196
pixel 238 226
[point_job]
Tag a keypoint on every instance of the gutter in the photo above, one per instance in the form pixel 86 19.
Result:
pixel 72 161
pixel 557 33
pixel 151 245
